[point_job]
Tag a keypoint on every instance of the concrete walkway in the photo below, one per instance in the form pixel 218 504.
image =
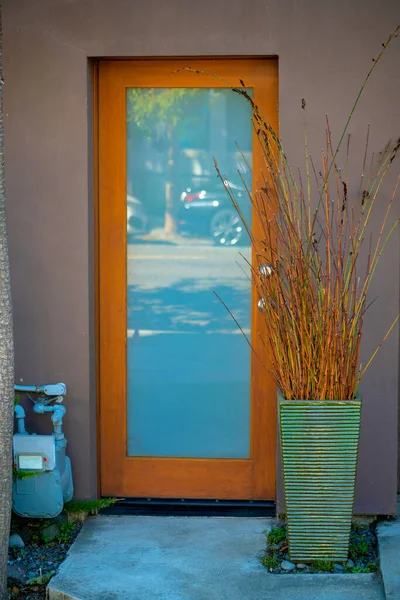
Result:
pixel 188 558
pixel 388 533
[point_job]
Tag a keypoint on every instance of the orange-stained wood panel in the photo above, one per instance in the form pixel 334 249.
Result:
pixel 252 478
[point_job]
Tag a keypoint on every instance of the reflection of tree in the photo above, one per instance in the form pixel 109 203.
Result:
pixel 158 112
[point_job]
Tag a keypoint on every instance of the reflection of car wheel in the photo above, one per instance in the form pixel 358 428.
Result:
pixel 226 227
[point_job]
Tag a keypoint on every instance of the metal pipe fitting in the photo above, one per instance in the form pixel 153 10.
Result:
pixel 40 408
pixel 57 419
pixel 20 416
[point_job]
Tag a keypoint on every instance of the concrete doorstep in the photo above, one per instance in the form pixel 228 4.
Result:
pixel 189 558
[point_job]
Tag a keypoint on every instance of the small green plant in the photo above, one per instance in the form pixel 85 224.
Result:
pixel 358 569
pixel 371 567
pixel 322 565
pixel 276 535
pixel 66 532
pixel 90 506
pixel 270 561
pixel 46 539
pixel 359 546
pixel 45 523
pixel 21 474
pixel 41 579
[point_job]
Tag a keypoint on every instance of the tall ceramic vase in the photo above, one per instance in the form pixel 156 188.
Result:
pixel 319 446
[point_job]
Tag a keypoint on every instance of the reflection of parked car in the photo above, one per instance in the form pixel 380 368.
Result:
pixel 210 213
pixel 136 218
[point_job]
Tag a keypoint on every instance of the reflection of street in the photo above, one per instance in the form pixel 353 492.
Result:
pixel 209 261
pixel 188 368
pixel 172 287
pixel 158 235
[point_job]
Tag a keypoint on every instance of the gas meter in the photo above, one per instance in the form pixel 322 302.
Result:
pixel 43 481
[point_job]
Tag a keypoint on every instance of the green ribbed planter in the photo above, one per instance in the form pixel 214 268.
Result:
pixel 319 446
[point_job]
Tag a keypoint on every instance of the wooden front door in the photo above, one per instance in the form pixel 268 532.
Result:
pixel 186 410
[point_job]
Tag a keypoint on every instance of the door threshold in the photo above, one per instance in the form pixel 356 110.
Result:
pixel 191 507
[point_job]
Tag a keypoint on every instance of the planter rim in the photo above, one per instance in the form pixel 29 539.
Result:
pixel 307 401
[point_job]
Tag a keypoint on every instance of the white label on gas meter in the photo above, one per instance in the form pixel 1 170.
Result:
pixel 30 462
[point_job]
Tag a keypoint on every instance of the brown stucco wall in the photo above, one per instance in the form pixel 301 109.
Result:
pixel 324 49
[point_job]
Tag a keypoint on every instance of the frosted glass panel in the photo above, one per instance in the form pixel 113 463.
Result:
pixel 188 380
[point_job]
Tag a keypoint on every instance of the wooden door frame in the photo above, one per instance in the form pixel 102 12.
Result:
pixel 260 386
pixel 94 66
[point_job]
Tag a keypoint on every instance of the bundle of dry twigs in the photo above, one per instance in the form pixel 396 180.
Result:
pixel 309 239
